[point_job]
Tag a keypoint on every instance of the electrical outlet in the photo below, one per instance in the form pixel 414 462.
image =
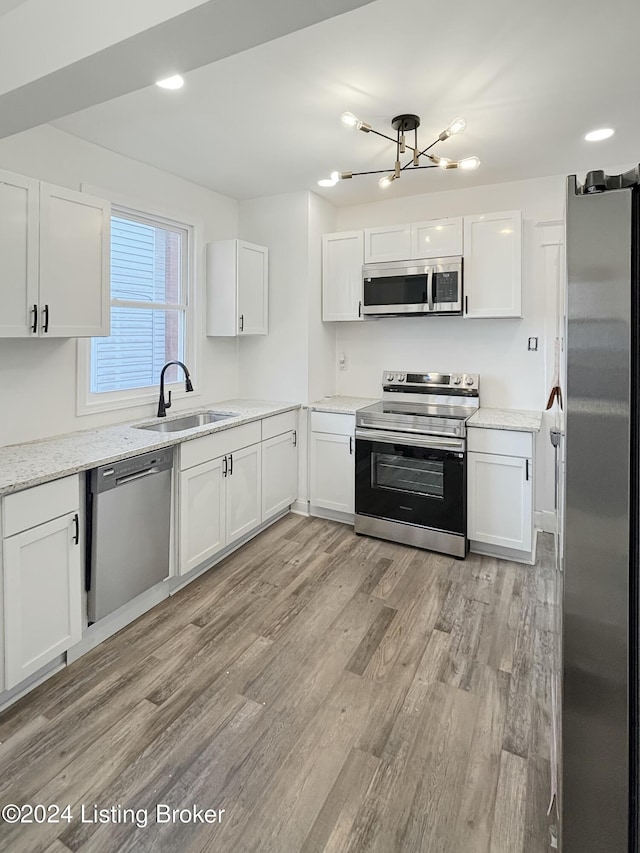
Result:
pixel 532 345
pixel 342 361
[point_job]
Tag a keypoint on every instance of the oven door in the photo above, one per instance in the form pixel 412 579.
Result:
pixel 419 480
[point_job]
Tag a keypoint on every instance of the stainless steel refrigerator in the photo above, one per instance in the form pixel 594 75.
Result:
pixel 599 793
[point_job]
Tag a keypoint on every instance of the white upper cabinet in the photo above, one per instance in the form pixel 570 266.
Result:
pixel 438 238
pixel 342 258
pixel 493 264
pixel 75 247
pixel 387 243
pixel 54 261
pixel 18 255
pixel 237 288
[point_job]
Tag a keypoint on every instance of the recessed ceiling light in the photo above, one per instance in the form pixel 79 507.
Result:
pixel 175 82
pixel 599 135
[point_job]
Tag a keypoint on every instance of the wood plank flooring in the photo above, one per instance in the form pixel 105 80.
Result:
pixel 329 692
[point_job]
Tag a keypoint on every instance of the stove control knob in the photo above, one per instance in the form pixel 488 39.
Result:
pixel 469 380
pixel 457 380
pixel 401 377
pixel 390 377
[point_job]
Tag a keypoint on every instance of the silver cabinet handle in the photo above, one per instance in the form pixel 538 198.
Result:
pixel 351 445
pixel 295 438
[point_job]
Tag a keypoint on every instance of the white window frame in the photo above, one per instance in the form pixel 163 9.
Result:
pixel 88 403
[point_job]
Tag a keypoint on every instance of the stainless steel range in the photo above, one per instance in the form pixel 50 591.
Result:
pixel 411 478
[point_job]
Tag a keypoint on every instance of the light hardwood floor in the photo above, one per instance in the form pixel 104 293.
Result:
pixel 330 692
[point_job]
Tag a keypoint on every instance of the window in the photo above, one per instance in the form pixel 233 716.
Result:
pixel 149 312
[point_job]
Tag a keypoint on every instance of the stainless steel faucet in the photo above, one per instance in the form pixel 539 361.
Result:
pixel 163 404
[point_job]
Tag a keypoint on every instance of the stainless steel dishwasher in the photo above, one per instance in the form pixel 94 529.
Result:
pixel 128 526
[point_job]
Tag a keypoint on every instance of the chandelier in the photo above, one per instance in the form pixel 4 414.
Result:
pixel 403 125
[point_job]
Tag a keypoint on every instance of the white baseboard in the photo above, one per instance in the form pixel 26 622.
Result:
pixel 331 515
pixel 300 507
pixel 546 521
pixel 10 696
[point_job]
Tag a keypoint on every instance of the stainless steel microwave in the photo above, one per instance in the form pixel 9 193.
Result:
pixel 429 286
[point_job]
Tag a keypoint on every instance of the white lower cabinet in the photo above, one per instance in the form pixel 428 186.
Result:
pixel 220 501
pixel 331 457
pixel 244 492
pixel 202 513
pixel 42 596
pixel 500 491
pixel 279 473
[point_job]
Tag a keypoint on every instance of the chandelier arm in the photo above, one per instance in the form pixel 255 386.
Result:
pixel 429 147
pixel 390 138
pixel 386 171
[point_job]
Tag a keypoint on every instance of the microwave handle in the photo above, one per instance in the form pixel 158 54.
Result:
pixel 430 288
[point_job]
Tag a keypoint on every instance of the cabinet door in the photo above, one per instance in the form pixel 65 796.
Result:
pixel 244 492
pixel 19 205
pixel 439 238
pixel 332 475
pixel 253 289
pixel 202 514
pixel 493 264
pixel 387 243
pixel 75 246
pixel 279 473
pixel 42 596
pixel 342 258
pixel 500 492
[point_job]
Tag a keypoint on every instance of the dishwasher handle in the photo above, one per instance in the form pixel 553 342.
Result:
pixel 129 478
pixel 129 470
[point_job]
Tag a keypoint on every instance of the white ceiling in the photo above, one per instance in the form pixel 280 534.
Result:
pixel 530 78
pixel 8 5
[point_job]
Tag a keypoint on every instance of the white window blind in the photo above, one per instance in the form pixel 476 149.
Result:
pixel 148 305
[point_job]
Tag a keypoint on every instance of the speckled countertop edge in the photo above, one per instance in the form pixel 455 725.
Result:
pixel 519 420
pixel 342 405
pixel 36 462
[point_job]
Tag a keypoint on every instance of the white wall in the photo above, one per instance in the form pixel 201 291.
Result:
pixel 510 375
pixel 295 360
pixel 275 366
pixel 322 336
pixel 38 376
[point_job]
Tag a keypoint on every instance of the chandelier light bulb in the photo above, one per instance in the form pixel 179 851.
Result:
pixel 349 119
pixel 335 177
pixel 327 182
pixel 469 163
pixel 456 126
pixel 386 181
pixel 443 162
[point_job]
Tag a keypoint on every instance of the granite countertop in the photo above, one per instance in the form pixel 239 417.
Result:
pixel 521 420
pixel 342 405
pixel 25 465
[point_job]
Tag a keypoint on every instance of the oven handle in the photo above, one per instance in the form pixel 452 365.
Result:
pixel 429 441
pixel 430 288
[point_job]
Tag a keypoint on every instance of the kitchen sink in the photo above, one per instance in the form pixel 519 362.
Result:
pixel 189 421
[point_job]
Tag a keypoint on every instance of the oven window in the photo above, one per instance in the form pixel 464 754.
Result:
pixel 404 474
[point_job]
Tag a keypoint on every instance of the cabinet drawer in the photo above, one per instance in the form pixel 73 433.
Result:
pixel 26 509
pixel 209 447
pixel 502 442
pixel 277 424
pixel 330 422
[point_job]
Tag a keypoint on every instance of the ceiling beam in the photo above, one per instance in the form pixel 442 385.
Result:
pixel 198 37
